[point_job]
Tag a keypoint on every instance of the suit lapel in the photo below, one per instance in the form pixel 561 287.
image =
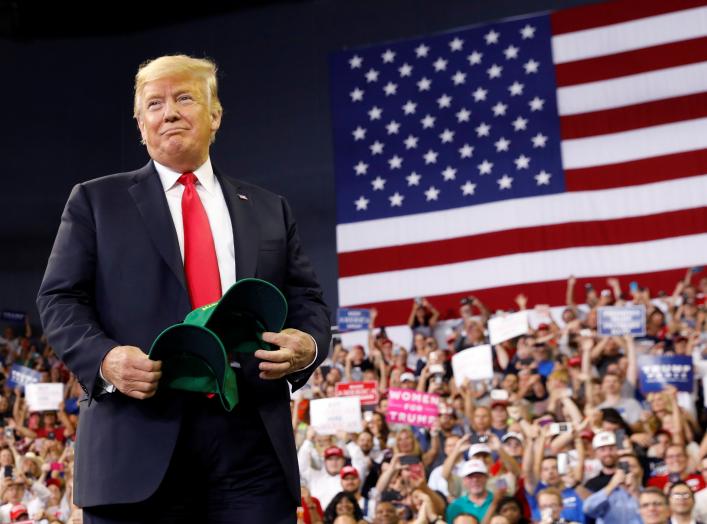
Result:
pixel 149 197
pixel 246 239
pixel 246 233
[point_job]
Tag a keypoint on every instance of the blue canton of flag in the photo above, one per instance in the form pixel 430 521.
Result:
pixel 451 120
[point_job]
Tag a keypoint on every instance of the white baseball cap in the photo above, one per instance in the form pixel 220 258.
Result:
pixel 603 438
pixel 475 449
pixel 473 466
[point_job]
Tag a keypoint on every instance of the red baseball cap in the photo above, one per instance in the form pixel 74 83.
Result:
pixel 575 362
pixel 333 451
pixel 17 511
pixel 348 470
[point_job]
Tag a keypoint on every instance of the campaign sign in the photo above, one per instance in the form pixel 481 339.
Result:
pixel 657 371
pixel 474 363
pixel 349 319
pixel 20 376
pixel 411 407
pixel 626 320
pixel 329 416
pixel 44 397
pixel 505 327
pixel 367 391
pixel 13 316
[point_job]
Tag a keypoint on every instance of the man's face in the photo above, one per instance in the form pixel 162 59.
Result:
pixel 350 483
pixel 334 464
pixel 610 385
pixel 675 459
pixel 548 472
pixel 607 456
pixel 176 122
pixel 548 501
pixel 681 500
pixel 482 420
pixel 386 514
pixel 653 508
pixel 447 421
pixel 499 414
pixel 365 442
pixel 475 484
pixel 14 493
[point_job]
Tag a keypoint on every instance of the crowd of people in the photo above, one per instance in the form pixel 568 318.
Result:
pixel 561 433
pixel 36 447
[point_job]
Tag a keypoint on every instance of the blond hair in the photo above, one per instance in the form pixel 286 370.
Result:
pixel 172 65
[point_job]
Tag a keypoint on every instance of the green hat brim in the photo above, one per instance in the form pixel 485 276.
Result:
pixel 194 359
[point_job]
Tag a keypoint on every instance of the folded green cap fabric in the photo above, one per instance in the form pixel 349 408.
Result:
pixel 196 354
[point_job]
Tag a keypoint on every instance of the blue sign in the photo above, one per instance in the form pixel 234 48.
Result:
pixel 13 316
pixel 617 321
pixel 20 376
pixel 657 371
pixel 349 319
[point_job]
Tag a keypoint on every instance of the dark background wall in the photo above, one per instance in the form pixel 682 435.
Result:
pixel 66 94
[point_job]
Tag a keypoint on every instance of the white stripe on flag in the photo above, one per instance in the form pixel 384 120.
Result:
pixel 628 36
pixel 581 206
pixel 647 142
pixel 632 89
pixel 524 268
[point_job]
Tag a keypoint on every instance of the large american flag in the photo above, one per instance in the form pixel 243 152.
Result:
pixel 504 158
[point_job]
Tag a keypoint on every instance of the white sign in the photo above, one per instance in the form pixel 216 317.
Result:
pixel 44 397
pixel 329 416
pixel 474 363
pixel 504 327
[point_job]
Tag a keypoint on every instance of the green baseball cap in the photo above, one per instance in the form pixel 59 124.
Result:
pixel 196 353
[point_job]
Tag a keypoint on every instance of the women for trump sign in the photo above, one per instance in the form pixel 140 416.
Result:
pixel 413 408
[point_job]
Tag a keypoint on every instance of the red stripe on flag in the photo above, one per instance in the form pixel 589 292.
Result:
pixel 524 240
pixel 632 62
pixel 396 312
pixel 636 172
pixel 606 13
pixel 634 117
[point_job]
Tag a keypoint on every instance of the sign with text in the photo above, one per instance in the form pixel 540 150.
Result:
pixel 13 316
pixel 413 408
pixel 505 327
pixel 367 391
pixel 349 319
pixel 44 397
pixel 329 416
pixel 20 376
pixel 625 320
pixel 474 363
pixel 655 372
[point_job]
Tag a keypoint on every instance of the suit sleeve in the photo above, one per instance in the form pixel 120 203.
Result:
pixel 66 300
pixel 306 308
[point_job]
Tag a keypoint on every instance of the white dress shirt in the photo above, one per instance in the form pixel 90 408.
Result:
pixel 209 191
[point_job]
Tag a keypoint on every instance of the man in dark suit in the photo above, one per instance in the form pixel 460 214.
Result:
pixel 135 252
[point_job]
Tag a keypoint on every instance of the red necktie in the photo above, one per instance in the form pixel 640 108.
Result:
pixel 200 263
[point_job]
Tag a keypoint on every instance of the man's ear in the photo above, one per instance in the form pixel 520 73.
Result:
pixel 141 127
pixel 216 119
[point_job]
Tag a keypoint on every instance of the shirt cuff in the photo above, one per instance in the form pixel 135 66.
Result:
pixel 104 385
pixel 316 352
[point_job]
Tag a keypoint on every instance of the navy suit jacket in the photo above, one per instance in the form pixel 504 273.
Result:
pixel 115 277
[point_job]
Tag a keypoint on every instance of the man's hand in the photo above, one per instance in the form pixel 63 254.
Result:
pixel 132 372
pixel 296 352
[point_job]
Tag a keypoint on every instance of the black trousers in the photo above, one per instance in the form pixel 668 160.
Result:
pixel 224 471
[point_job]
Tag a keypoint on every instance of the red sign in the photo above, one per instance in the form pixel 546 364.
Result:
pixel 367 391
